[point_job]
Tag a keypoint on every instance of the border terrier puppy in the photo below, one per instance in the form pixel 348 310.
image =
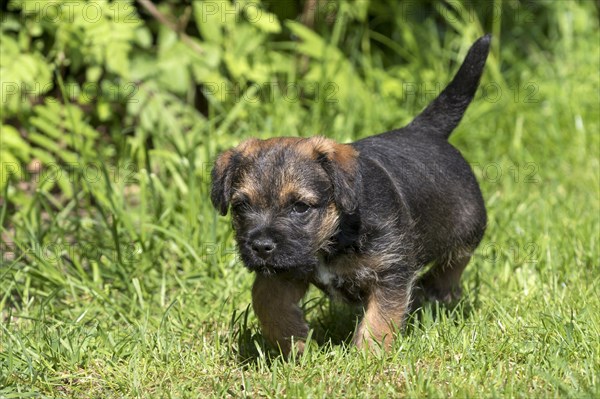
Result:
pixel 360 221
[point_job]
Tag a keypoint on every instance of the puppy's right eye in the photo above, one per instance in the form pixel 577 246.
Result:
pixel 240 205
pixel 300 207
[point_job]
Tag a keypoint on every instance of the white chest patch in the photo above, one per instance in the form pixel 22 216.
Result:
pixel 324 275
pixel 337 284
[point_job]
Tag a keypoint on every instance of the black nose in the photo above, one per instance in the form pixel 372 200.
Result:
pixel 263 247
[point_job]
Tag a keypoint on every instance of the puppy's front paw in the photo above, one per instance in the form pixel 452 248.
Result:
pixel 384 317
pixel 367 340
pixel 275 302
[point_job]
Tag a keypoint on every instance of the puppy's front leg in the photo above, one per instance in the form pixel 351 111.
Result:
pixel 275 302
pixel 385 313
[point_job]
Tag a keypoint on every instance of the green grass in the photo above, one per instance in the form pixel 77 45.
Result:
pixel 133 287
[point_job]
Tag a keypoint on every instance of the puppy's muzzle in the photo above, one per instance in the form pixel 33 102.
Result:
pixel 263 247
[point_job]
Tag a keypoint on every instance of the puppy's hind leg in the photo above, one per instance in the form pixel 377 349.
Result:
pixel 275 302
pixel 442 282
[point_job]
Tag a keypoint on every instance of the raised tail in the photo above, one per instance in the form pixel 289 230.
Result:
pixel 445 112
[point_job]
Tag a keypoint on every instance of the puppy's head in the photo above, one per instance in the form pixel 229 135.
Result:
pixel 286 196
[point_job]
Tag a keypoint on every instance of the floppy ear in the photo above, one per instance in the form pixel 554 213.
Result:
pixel 340 162
pixel 222 173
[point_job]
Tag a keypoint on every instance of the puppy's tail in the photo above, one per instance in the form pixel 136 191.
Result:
pixel 445 112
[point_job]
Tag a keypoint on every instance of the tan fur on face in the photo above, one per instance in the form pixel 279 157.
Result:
pixel 252 146
pixel 291 191
pixel 342 154
pixel 329 226
pixel 250 189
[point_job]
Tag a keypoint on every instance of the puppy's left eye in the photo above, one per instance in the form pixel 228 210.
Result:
pixel 300 207
pixel 240 205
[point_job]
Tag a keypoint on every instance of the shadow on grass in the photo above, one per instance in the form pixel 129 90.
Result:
pixel 333 324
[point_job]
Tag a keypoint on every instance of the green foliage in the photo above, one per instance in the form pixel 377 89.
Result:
pixel 14 151
pixel 22 70
pixel 118 278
